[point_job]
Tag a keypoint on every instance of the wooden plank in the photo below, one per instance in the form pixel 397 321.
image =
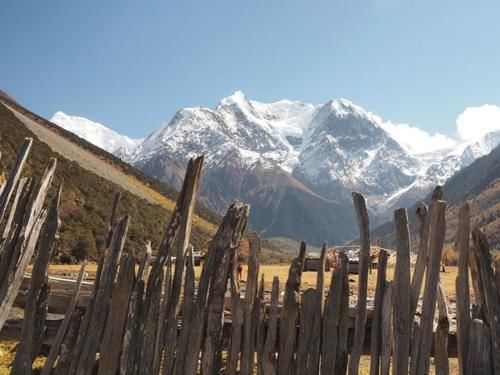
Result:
pixel 14 176
pixel 236 323
pixel 423 220
pixel 129 356
pixel 25 242
pixel 497 276
pixel 438 228
pixel 344 320
pixel 197 320
pixel 402 320
pixel 483 258
pixel 305 338
pixel 187 310
pixel 331 319
pixel 149 330
pixel 385 353
pixel 364 263
pixel 35 310
pixel 259 313
pixel 479 361
pixel 376 330
pixel 315 350
pixel 68 344
pixel 14 221
pixel 193 176
pixel 103 297
pixel 269 362
pixel 415 341
pixel 462 286
pixel 86 320
pixel 112 340
pixel 23 182
pixel 289 315
pixel 249 329
pixel 162 317
pixel 224 243
pixel 442 331
pixel 61 332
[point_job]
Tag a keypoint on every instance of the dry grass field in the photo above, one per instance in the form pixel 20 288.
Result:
pixel 281 270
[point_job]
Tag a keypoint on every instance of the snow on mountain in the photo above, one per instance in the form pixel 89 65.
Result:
pixel 325 151
pixel 96 134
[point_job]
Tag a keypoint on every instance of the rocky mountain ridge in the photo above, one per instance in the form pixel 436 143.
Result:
pixel 293 158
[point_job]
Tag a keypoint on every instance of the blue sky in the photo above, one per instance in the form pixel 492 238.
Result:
pixel 130 65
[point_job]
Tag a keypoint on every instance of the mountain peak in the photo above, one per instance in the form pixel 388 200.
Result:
pixel 95 133
pixel 238 98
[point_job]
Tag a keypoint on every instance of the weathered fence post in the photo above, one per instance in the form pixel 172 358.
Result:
pixel 364 262
pixel 186 209
pixel 485 262
pixel 344 321
pixel 423 219
pixel 385 353
pixel 462 286
pixel 86 320
pixel 438 228
pixel 415 341
pixel 236 323
pixel 290 314
pixel 224 246
pixel 35 309
pixel 103 296
pixel 269 355
pixel 23 246
pixel 331 319
pixel 402 320
pixel 249 329
pixel 15 174
pixel 315 350
pixel 307 315
pixel 259 314
pixel 442 331
pixel 479 357
pixel 130 352
pixel 61 332
pixel 376 333
pixel 112 339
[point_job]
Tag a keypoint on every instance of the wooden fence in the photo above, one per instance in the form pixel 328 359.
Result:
pixel 159 319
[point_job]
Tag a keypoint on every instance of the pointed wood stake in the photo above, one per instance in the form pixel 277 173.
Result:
pixel 376 330
pixel 385 353
pixel 269 356
pixel 290 314
pixel 462 286
pixel 484 261
pixel 249 329
pixel 442 331
pixel 61 332
pixel 35 309
pixel 364 262
pixel 438 228
pixel 25 242
pixel 15 174
pixel 402 320
pixel 224 246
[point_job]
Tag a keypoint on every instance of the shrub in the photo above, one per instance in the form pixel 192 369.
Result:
pixel 84 247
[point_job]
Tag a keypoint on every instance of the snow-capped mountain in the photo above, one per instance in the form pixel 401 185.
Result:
pixel 96 133
pixel 297 163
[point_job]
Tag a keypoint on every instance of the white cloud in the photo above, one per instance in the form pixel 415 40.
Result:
pixel 415 140
pixel 475 122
